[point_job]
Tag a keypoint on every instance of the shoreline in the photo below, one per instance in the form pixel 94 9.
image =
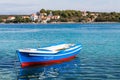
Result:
pixel 66 23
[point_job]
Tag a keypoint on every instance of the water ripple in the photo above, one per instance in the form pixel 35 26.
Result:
pixel 17 30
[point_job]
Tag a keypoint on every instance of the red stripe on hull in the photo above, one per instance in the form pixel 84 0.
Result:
pixel 28 64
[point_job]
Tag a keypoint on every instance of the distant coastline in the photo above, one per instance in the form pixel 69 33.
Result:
pixel 62 16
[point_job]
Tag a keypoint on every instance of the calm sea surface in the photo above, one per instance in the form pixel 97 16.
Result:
pixel 98 60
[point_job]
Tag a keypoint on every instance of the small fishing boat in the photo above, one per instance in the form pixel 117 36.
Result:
pixel 48 55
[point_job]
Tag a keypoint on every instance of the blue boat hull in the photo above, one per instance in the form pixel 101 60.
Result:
pixel 34 59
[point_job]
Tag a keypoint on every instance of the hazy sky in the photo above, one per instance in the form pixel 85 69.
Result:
pixel 32 6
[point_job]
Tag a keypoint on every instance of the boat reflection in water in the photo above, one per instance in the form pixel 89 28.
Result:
pixel 47 72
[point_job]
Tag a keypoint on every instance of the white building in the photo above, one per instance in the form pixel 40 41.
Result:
pixel 49 16
pixel 84 13
pixel 56 17
pixel 25 17
pixel 33 17
pixel 10 18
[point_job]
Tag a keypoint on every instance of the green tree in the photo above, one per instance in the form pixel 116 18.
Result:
pixel 64 14
pixel 42 11
pixel 18 19
pixel 1 20
pixel 48 11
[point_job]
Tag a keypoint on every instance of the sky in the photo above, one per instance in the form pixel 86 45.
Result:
pixel 32 6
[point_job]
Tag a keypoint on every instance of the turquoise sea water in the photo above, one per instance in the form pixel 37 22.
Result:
pixel 98 60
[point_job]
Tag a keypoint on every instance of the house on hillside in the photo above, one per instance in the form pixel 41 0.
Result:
pixel 33 17
pixel 10 18
pixel 55 17
pixel 49 16
pixel 25 17
pixel 4 20
pixel 84 13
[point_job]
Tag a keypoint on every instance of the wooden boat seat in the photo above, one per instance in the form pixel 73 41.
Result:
pixel 59 47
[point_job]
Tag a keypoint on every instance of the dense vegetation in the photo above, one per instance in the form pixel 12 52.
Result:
pixel 77 16
pixel 109 17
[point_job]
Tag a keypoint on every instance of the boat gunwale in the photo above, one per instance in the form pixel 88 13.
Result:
pixel 46 51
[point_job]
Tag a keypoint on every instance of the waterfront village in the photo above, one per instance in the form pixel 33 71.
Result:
pixel 43 17
pixel 61 16
pixel 34 18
